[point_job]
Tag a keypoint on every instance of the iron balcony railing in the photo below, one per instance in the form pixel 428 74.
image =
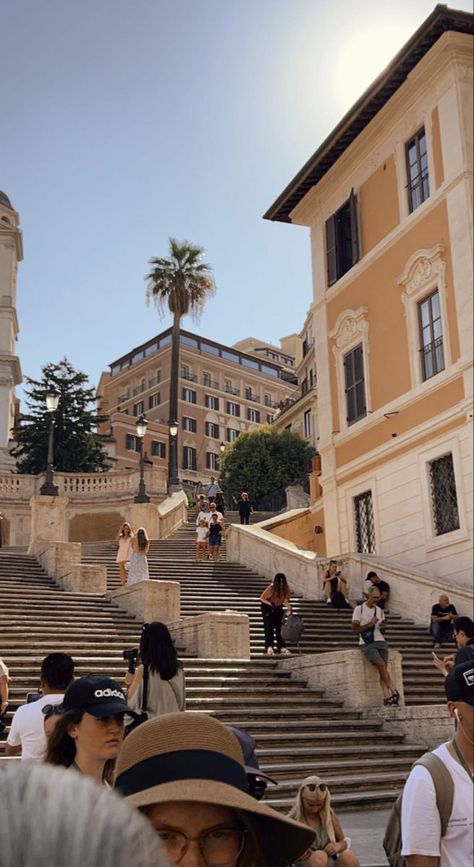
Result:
pixel 190 377
pixel 229 389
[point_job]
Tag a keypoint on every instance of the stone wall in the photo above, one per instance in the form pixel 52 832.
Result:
pixel 429 725
pixel 300 529
pixel 217 635
pixel 95 526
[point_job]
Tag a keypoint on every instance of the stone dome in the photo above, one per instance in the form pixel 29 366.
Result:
pixel 4 200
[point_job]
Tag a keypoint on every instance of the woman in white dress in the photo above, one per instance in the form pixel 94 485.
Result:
pixel 124 552
pixel 138 569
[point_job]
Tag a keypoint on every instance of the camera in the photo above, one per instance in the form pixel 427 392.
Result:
pixel 33 696
pixel 131 657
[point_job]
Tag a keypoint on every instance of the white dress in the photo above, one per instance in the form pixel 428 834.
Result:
pixel 138 569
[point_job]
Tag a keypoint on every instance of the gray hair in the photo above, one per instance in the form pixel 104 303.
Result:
pixel 50 817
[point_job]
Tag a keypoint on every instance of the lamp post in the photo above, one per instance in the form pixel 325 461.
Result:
pixel 48 489
pixel 142 496
pixel 173 480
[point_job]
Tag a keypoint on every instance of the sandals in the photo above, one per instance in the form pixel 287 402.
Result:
pixel 392 700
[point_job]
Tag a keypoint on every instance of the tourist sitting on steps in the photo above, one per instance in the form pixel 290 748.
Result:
pixel 186 773
pixel 368 623
pixel 166 687
pixel 88 734
pixel 442 616
pixel 382 585
pixel 335 587
pixel 313 807
pixel 274 600
pixel 27 736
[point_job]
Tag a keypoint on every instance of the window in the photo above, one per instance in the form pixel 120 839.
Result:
pixel 155 380
pixel 207 379
pixel 431 336
pixel 418 185
pixel 233 409
pixel 253 415
pixel 364 523
pixel 158 449
pixel 185 373
pixel 249 362
pixel 269 419
pixel 444 501
pixel 354 384
pixel 342 240
pixel 189 458
pixel 211 402
pixel 189 396
pixel 207 347
pixel 132 443
pixel 212 461
pixel 189 424
pixel 307 423
pixel 232 434
pixel 212 430
pixel 139 408
pixel 154 400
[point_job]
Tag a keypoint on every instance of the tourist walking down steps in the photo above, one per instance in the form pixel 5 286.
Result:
pixel 138 569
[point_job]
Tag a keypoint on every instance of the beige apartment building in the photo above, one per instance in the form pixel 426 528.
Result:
pixel 223 391
pixel 388 199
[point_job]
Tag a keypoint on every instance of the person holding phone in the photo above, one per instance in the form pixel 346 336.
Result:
pixel 368 623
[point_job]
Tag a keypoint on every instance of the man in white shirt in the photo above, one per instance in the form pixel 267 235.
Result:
pixel 422 843
pixel 27 737
pixel 213 511
pixel 368 623
pixel 211 489
pixel 4 678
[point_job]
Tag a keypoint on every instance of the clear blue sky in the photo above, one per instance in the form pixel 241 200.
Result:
pixel 127 121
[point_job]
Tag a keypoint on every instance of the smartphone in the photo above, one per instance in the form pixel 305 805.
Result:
pixel 433 654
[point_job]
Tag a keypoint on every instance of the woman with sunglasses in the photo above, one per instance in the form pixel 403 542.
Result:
pixel 313 807
pixel 88 734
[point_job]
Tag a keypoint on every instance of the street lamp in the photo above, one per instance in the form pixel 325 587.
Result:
pixel 48 489
pixel 141 496
pixel 173 480
pixel 222 448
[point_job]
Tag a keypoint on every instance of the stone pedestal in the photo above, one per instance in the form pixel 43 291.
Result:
pixel 220 635
pixel 48 519
pixel 346 674
pixel 85 578
pixel 62 562
pixel 150 600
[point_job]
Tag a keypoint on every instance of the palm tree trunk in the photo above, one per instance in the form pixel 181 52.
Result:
pixel 173 404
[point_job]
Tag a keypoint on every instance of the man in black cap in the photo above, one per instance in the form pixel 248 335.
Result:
pixel 424 844
pixel 381 585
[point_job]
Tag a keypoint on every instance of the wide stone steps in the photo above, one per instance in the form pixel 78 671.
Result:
pixel 297 730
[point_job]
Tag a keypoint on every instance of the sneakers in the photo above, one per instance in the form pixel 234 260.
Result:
pixel 328 600
pixel 437 646
pixel 285 652
pixel 269 651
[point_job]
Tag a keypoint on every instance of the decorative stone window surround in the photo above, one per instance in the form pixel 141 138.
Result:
pixel 425 272
pixel 350 329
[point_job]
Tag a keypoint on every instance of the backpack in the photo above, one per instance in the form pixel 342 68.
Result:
pixel 444 788
pixel 292 628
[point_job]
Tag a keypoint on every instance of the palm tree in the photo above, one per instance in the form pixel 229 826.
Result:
pixel 181 283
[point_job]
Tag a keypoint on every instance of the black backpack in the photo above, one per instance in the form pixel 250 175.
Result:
pixel 292 628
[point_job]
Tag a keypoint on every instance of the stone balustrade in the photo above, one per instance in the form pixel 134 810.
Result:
pixel 84 485
pixel 347 675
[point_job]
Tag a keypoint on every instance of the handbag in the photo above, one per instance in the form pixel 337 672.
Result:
pixel 141 717
pixel 368 634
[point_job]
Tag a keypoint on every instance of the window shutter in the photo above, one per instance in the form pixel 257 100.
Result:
pixel 354 227
pixel 331 249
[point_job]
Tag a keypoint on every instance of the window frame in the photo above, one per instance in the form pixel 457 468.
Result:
pixel 128 439
pixel 236 406
pixel 432 344
pixel 192 451
pixel 185 390
pixel 193 428
pixel 162 448
pixel 209 426
pixel 152 402
pixel 334 240
pixel 350 329
pixel 415 139
pixel 308 428
pixel 212 464
pixel 210 400
pixel 251 410
pixel 138 408
pixel 451 445
pixel 350 354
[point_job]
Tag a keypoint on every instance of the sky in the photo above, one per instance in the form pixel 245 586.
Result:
pixel 125 122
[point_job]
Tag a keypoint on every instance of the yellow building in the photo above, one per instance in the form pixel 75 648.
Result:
pixel 223 391
pixel 388 199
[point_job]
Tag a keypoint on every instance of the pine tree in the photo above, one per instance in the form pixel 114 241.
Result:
pixel 78 448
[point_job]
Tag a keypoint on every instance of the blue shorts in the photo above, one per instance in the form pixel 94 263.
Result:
pixel 215 542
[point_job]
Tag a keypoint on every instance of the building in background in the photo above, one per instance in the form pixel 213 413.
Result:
pixel 388 198
pixel 223 391
pixel 11 252
pixel 299 412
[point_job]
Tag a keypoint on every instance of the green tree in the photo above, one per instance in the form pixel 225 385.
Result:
pixel 263 460
pixel 78 448
pixel 180 283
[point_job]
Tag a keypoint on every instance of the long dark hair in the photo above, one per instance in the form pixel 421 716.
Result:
pixel 61 747
pixel 280 585
pixel 158 651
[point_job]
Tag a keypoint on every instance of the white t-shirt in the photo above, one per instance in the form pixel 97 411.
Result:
pixel 202 533
pixel 209 515
pixel 4 670
pixel 27 728
pixel 363 614
pixel 421 823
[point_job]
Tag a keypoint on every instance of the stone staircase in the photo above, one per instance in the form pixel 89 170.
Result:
pixel 298 730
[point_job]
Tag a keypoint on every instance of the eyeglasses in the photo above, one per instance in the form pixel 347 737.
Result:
pixel 313 786
pixel 50 710
pixel 219 847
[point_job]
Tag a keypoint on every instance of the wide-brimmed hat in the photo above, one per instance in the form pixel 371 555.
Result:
pixel 193 757
pixel 100 696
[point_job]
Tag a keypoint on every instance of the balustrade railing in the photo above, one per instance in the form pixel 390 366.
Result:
pixel 20 488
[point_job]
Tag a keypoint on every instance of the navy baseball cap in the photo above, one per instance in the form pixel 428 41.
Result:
pixel 100 696
pixel 459 684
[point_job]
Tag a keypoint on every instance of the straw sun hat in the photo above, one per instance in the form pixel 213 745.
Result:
pixel 193 757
